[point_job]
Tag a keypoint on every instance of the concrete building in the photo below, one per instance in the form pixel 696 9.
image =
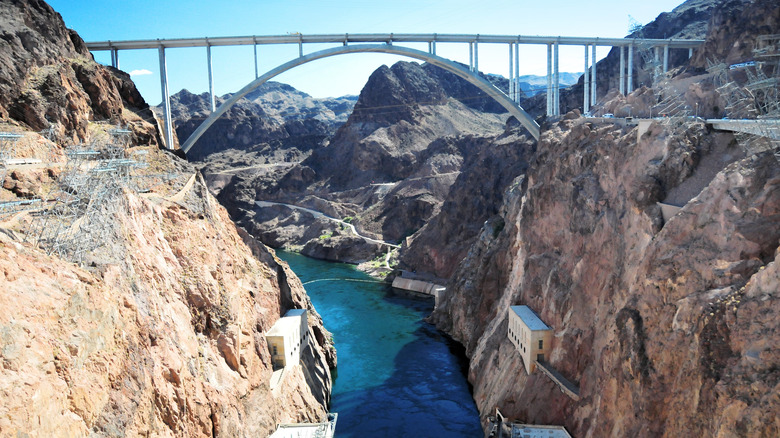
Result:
pixel 520 430
pixel 531 336
pixel 288 337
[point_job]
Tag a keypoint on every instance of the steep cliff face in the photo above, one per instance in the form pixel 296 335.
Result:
pixel 169 340
pixel 666 327
pixel 735 26
pixel 47 77
pixel 161 331
pixel 492 166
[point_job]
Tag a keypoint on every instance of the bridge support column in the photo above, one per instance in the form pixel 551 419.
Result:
pixel 666 58
pixel 656 61
pixel 517 72
pixel 511 73
pixel 593 82
pixel 257 74
pixel 212 99
pixel 471 56
pixel 556 83
pixel 622 86
pixel 166 101
pixel 476 56
pixel 630 78
pixel 115 58
pixel 690 52
pixel 549 80
pixel 586 83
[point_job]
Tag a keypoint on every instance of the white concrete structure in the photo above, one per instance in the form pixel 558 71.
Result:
pixel 531 336
pixel 287 337
pixel 326 429
pixel 537 431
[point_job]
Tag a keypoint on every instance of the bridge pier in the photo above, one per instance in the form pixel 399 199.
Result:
pixel 257 74
pixel 666 58
pixel 630 79
pixel 586 83
pixel 517 72
pixel 471 56
pixel 557 83
pixel 212 99
pixel 622 86
pixel 165 99
pixel 115 58
pixel 511 74
pixel 593 75
pixel 549 79
pixel 476 57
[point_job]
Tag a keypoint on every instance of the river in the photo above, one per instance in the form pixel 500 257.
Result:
pixel 398 376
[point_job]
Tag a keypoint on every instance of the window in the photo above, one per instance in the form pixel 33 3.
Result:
pixel 540 358
pixel 275 351
pixel 541 344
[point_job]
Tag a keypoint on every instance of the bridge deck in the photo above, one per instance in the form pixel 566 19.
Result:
pixel 346 38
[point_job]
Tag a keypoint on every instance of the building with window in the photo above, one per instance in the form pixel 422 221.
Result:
pixel 287 337
pixel 531 336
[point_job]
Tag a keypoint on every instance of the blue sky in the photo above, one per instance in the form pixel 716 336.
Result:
pixel 99 20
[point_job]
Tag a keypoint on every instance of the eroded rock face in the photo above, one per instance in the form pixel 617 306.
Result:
pixel 666 327
pixel 734 28
pixel 414 130
pixel 168 342
pixel 48 77
pixel 273 123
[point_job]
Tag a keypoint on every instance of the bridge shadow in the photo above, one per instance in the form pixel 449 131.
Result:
pixel 427 394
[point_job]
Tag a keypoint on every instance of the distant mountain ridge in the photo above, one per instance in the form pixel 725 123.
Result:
pixel 273 113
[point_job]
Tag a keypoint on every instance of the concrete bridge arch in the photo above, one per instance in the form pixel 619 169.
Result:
pixel 472 77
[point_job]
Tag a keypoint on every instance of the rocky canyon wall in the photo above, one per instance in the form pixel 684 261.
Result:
pixel 167 342
pixel 667 328
pixel 161 330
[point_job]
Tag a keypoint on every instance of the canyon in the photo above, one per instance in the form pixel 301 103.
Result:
pixel 667 325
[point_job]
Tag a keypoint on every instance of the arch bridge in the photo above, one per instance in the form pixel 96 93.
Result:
pixel 388 43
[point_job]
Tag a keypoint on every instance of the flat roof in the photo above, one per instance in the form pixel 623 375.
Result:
pixel 530 318
pixel 295 312
pixel 538 431
pixel 284 326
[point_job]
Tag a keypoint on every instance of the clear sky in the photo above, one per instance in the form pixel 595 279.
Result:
pixel 100 20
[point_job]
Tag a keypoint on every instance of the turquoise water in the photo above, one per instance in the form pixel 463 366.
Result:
pixel 397 375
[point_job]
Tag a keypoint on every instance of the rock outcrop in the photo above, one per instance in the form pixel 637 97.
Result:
pixel 48 78
pixel 170 341
pixel 274 123
pixel 389 168
pixel 666 327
